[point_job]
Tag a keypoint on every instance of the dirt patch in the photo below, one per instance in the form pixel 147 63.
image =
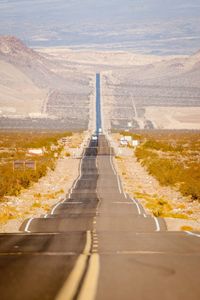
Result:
pixel 192 118
pixel 174 117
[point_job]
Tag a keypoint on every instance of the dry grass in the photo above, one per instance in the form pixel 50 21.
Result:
pixel 187 228
pixel 38 198
pixel 14 146
pixel 9 212
pixel 173 159
pixel 159 206
pixel 39 204
pixel 157 183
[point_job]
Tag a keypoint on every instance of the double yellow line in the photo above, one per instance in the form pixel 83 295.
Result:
pixel 90 281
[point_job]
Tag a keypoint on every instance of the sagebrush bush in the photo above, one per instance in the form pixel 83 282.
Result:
pixel 17 143
pixel 174 159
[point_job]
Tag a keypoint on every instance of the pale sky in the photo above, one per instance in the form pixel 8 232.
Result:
pixel 151 26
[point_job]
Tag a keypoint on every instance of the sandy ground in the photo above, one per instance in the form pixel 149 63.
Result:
pixel 174 117
pixel 15 89
pixel 41 196
pixel 139 184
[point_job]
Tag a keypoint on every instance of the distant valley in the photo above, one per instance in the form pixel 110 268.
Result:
pixel 55 87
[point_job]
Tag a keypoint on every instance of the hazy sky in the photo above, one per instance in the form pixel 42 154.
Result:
pixel 157 26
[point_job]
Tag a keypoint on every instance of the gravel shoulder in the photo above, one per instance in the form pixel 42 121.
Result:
pixel 41 196
pixel 146 189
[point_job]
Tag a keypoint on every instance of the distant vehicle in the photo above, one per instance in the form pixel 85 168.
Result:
pixel 94 138
pixel 124 143
pixel 100 130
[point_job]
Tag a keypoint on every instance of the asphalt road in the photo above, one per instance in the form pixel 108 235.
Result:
pixel 98 244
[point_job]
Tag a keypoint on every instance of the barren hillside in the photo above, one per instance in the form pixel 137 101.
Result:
pixel 138 91
pixel 33 86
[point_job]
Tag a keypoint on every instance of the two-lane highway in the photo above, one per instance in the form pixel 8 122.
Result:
pixel 98 243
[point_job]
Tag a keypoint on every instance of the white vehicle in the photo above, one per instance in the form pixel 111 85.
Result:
pixel 94 138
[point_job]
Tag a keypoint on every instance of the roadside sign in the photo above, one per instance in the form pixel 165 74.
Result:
pixel 24 165
pixel 18 165
pixel 30 164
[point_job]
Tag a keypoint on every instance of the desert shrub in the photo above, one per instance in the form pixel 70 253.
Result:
pixel 17 143
pixel 173 158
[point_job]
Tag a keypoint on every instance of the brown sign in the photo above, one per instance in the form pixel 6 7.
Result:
pixel 24 164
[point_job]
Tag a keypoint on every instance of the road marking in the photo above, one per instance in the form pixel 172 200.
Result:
pixel 28 224
pixel 137 205
pixel 38 253
pixel 70 287
pixel 75 202
pixel 88 291
pixel 95 243
pixel 88 244
pixel 157 224
pixel 192 233
pixel 95 247
pixel 70 192
pixel 52 211
pixel 23 233
pixel 111 162
pixel 122 202
pixel 77 179
pixel 140 252
pixel 118 182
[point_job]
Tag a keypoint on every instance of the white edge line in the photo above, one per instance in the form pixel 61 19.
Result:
pixel 52 211
pixel 70 286
pixel 111 162
pixel 118 182
pixel 157 224
pixel 118 177
pixel 193 234
pixel 28 224
pixel 137 205
pixel 73 187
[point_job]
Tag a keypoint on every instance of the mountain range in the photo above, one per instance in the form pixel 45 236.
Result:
pixel 59 83
pixel 32 85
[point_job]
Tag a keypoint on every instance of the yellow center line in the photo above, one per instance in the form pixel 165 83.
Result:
pixel 88 290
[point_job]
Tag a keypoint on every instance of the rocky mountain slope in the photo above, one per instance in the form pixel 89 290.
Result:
pixel 34 85
pixel 138 91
